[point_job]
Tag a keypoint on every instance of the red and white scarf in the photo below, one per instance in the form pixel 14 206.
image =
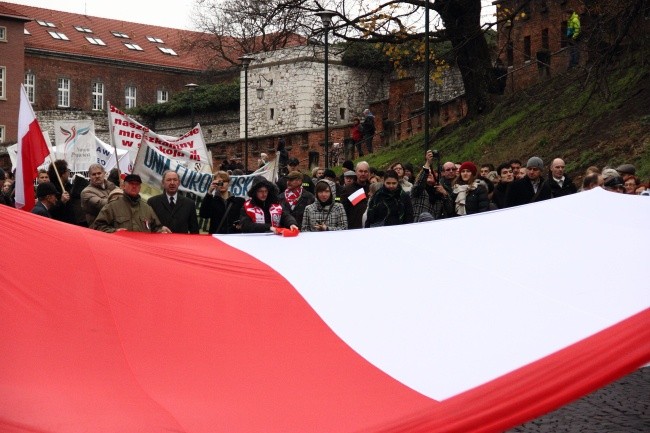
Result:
pixel 256 213
pixel 292 196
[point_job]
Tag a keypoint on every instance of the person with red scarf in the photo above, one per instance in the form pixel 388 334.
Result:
pixel 262 212
pixel 295 198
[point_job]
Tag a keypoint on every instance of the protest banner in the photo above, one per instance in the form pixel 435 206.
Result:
pixel 151 162
pixel 239 185
pixel 106 157
pixel 75 142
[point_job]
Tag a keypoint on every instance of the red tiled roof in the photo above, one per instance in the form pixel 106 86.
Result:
pixel 115 48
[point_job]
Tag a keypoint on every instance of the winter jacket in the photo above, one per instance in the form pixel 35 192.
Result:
pixel 388 208
pixel 214 208
pixel 331 213
pixel 93 200
pixel 132 214
pixel 425 198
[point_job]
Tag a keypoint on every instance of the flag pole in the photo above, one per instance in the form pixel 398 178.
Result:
pixel 110 137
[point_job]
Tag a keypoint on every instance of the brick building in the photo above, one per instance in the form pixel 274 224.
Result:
pixel 533 46
pixel 72 64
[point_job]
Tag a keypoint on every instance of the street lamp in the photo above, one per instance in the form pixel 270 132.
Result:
pixel 191 87
pixel 326 17
pixel 426 76
pixel 245 61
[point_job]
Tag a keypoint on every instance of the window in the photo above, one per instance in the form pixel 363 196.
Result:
pixel 98 96
pixel 135 47
pixel 563 41
pixel 545 45
pixel 155 40
pixel 95 41
pixel 45 23
pixel 168 51
pixel 3 82
pixel 162 96
pixel 83 29
pixel 2 133
pixel 63 96
pixel 342 113
pixel 527 49
pixel 121 35
pixel 130 101
pixel 30 86
pixel 59 35
pixel 26 32
pixel 3 34
pixel 510 53
pixel 271 113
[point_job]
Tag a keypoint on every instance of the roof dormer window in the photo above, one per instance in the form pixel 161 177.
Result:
pixel 95 41
pixel 155 40
pixel 168 51
pixel 121 35
pixel 83 29
pixel 134 47
pixel 45 23
pixel 60 36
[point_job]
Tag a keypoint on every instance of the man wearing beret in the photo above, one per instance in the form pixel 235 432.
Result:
pixel 129 212
pixel 531 188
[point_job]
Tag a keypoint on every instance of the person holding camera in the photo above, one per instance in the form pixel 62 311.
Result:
pixel 325 214
pixel 428 195
pixel 221 207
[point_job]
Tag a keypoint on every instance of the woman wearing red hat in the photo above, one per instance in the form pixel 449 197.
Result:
pixel 469 193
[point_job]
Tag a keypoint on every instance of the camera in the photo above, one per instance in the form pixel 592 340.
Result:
pixel 435 152
pixel 219 183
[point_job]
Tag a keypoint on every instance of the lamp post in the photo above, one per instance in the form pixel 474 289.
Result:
pixel 326 17
pixel 245 61
pixel 427 73
pixel 191 87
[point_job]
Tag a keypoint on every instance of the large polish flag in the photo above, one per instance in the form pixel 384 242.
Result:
pixel 142 332
pixel 31 152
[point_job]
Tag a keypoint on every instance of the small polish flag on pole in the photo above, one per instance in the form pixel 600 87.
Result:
pixel 31 152
pixel 357 196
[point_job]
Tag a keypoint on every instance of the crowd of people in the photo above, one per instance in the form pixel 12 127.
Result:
pixel 361 197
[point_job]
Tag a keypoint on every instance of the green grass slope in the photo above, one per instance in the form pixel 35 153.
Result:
pixel 576 116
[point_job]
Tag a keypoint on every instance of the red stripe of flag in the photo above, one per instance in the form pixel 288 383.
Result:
pixel 32 151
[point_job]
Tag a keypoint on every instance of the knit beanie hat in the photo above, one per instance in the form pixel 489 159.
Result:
pixel 468 165
pixel 535 162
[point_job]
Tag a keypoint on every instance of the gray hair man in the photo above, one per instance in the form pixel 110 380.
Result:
pixel 95 196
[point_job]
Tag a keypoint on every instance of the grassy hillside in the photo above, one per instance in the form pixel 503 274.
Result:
pixel 569 116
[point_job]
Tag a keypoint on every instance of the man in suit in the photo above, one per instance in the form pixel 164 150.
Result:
pixel 175 211
pixel 46 193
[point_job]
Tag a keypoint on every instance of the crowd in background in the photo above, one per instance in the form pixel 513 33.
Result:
pixel 361 197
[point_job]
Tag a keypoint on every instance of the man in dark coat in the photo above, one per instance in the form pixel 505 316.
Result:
pixel 531 188
pixel 46 193
pixel 296 197
pixel 174 211
pixel 560 183
pixel 354 201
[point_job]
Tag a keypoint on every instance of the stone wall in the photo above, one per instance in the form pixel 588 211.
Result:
pixel 292 96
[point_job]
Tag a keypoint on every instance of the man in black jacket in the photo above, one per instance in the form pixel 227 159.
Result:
pixel 560 183
pixel 531 188
pixel 174 211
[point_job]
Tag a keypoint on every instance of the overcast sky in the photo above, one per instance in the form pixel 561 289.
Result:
pixel 170 13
